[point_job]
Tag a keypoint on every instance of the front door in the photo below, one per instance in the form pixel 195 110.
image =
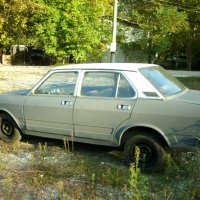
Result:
pixel 49 109
pixel 106 100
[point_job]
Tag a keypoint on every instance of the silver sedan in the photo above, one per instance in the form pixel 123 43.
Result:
pixel 117 104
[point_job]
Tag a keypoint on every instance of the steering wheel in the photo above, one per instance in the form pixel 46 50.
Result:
pixel 54 89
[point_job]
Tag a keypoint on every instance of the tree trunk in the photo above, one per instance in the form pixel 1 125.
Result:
pixel 189 55
pixel 149 51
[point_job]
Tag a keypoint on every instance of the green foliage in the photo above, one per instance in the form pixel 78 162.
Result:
pixel 157 21
pixel 168 27
pixel 138 189
pixel 191 82
pixel 13 21
pixel 181 174
pixel 63 28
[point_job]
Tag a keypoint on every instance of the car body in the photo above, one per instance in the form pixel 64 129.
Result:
pixel 114 104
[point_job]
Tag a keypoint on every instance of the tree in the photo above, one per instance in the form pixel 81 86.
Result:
pixel 157 21
pixel 74 28
pixel 189 40
pixel 13 21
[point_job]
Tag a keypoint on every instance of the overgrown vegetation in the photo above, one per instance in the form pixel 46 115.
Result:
pixel 75 29
pixel 191 82
pixel 78 175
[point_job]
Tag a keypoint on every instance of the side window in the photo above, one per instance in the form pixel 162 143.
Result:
pixel 125 90
pixel 59 83
pixel 101 84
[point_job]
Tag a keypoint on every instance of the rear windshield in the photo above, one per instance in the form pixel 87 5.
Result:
pixel 163 80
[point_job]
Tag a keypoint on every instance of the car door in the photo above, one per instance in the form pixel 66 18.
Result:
pixel 106 99
pixel 49 108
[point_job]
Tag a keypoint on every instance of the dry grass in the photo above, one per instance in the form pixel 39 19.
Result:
pixel 45 170
pixel 20 77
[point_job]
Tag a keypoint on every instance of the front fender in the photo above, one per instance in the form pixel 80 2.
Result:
pixel 11 114
pixel 13 105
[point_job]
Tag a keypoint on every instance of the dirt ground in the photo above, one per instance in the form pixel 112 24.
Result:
pixel 20 77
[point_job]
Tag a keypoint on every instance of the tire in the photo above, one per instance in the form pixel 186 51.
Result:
pixel 152 153
pixel 8 129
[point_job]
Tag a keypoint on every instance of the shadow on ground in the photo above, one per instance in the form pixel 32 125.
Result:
pixel 112 155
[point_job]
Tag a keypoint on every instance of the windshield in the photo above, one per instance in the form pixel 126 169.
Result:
pixel 162 80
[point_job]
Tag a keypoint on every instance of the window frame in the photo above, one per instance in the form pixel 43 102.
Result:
pixel 48 75
pixel 168 77
pixel 120 73
pixel 130 84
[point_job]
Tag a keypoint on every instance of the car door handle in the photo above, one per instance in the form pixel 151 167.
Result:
pixel 123 106
pixel 66 103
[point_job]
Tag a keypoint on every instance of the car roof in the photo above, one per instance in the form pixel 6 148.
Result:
pixel 105 66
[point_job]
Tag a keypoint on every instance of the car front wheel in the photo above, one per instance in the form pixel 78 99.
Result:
pixel 152 154
pixel 8 129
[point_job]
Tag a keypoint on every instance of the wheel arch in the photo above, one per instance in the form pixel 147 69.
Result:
pixel 131 131
pixel 9 128
pixel 11 115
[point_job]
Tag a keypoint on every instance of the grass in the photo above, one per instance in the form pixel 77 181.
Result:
pixel 191 82
pixel 81 175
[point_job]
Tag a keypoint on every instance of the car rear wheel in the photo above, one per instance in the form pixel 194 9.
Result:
pixel 8 129
pixel 151 156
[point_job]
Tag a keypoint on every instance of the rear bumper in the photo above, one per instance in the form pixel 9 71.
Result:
pixel 185 143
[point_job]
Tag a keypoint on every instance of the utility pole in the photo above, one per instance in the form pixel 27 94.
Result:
pixel 113 45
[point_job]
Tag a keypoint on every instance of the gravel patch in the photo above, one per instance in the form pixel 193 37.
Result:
pixel 20 77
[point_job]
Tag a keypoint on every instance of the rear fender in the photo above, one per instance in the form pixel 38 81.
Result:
pixel 132 130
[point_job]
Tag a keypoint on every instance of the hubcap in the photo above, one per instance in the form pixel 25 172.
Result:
pixel 146 153
pixel 7 128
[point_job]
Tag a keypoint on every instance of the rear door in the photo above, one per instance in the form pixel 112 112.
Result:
pixel 106 99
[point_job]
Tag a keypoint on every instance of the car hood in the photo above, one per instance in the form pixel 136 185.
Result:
pixel 23 92
pixel 192 97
